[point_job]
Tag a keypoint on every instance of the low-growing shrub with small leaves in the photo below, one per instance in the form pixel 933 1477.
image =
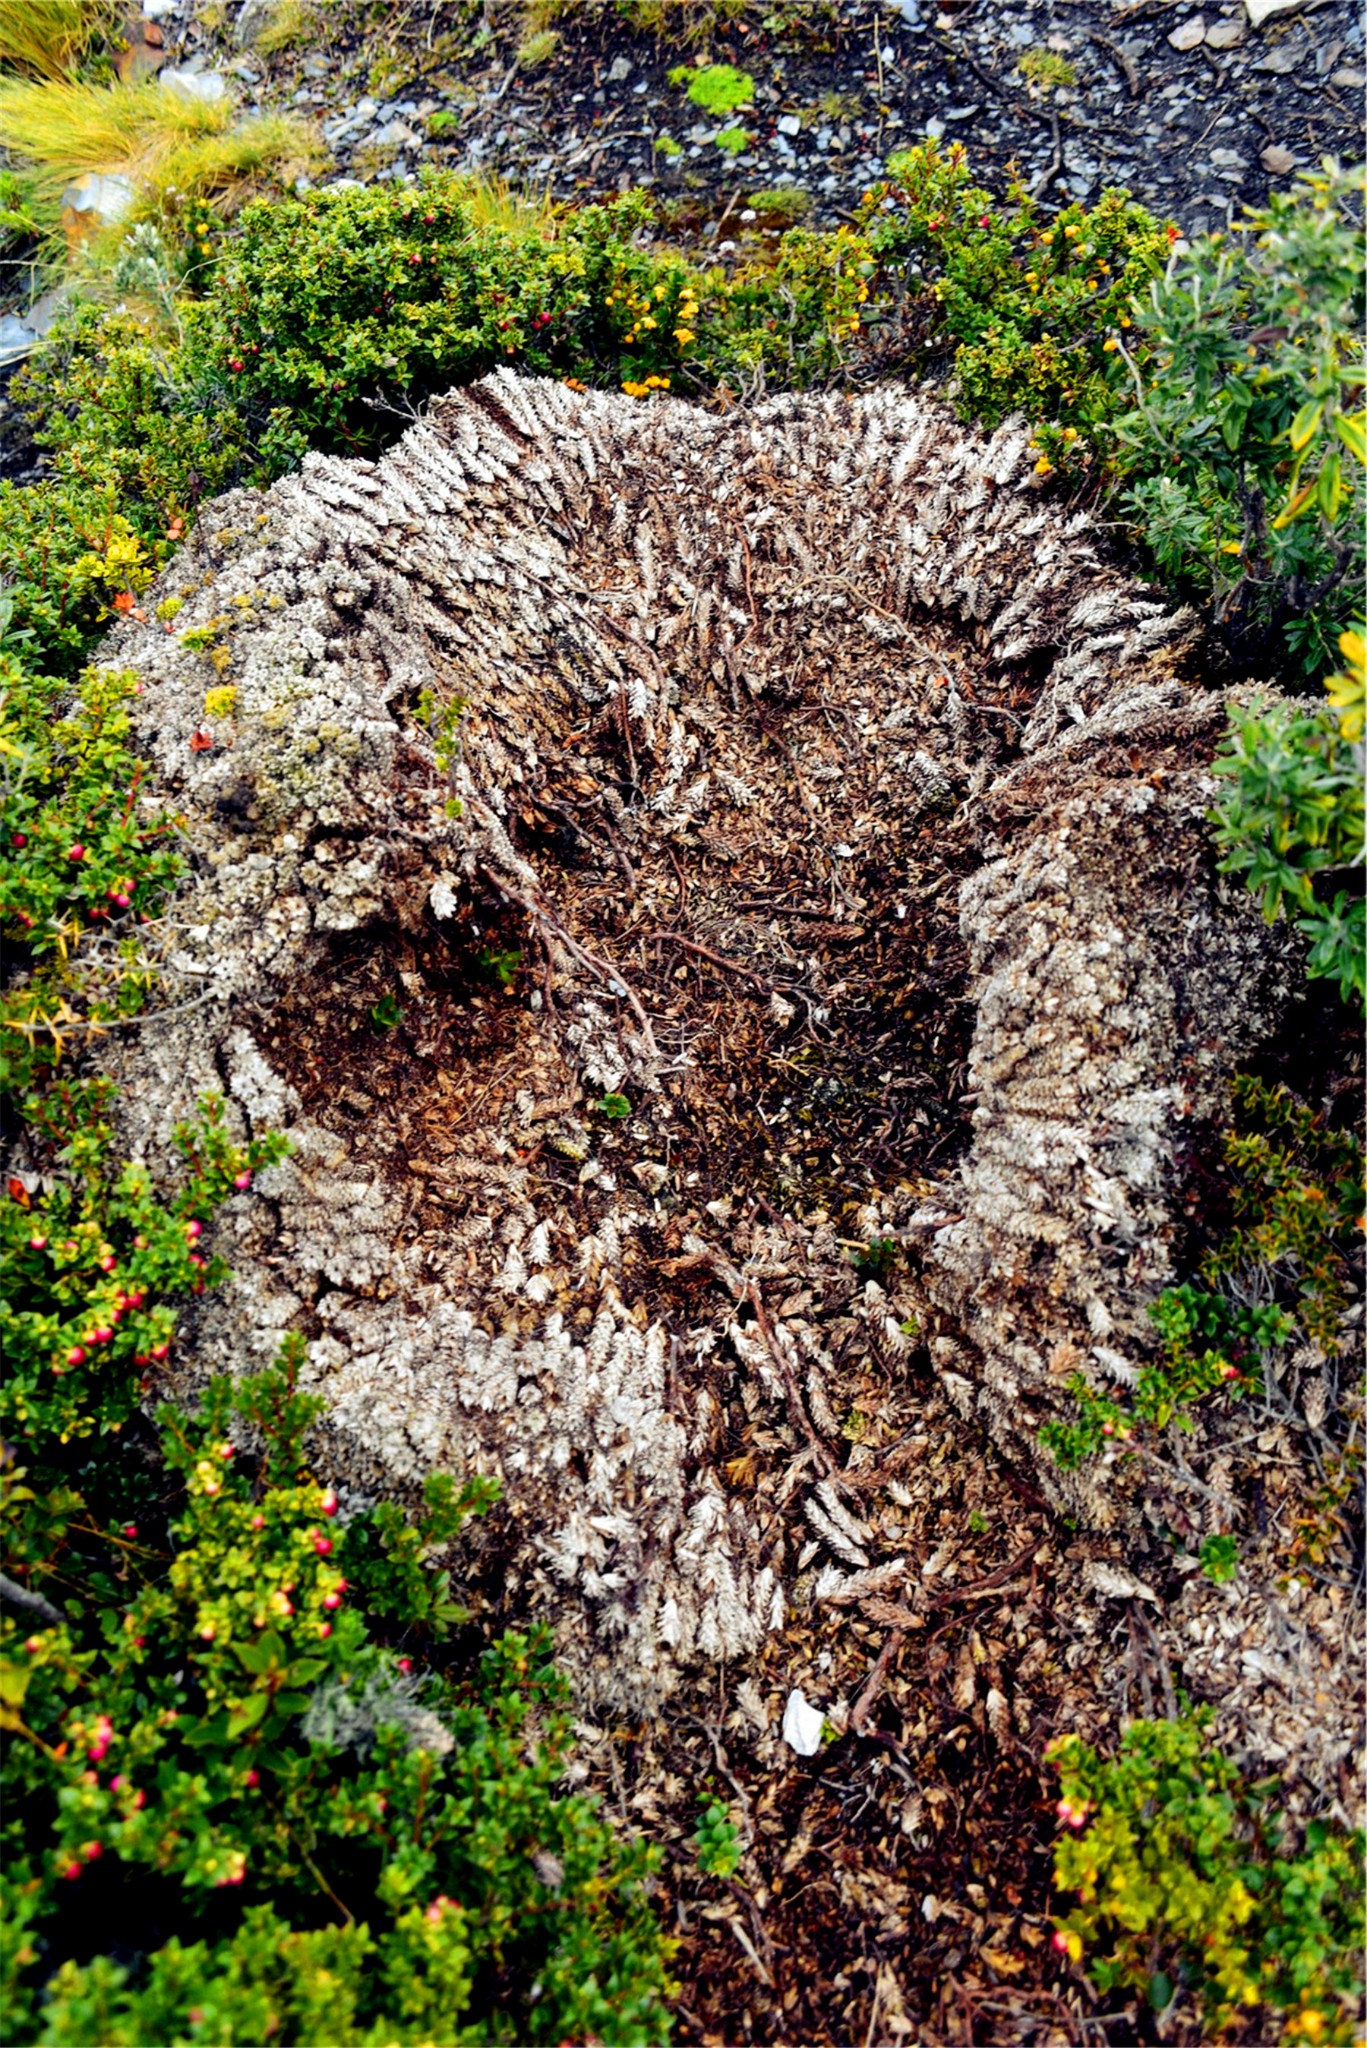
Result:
pixel 1297 1187
pixel 1242 450
pixel 1192 1881
pixel 1290 818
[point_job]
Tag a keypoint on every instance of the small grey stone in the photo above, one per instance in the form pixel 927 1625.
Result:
pixel 619 69
pixel 1228 160
pixel 208 86
pixel 1350 80
pixel 789 124
pixel 1277 160
pixel 1224 35
pixel 393 135
pixel 1188 34
pixel 254 17
pixel 16 338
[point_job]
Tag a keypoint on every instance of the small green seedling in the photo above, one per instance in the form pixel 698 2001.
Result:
pixel 385 1014
pixel 1220 1559
pixel 733 141
pixel 717 1841
pixel 499 964
pixel 614 1107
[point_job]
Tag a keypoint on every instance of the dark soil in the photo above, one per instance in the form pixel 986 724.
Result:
pixel 840 86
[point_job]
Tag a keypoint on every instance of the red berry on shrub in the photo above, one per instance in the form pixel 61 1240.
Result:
pixel 36 1244
pixel 18 839
pixel 130 1529
pixel 242 1181
pixel 329 1502
pixel 252 1778
pixel 76 852
pixel 76 1355
pixel 194 1230
pixel 161 1351
pixel 323 1545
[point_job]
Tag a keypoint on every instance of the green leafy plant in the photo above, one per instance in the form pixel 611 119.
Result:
pixel 732 141
pixel 387 1013
pixel 718 89
pixel 1220 1559
pixel 1290 819
pixel 1189 1876
pixel 1243 451
pixel 613 1107
pixel 1297 1188
pixel 717 1841
pixel 499 964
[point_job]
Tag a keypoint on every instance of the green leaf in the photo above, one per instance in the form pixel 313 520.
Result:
pixel 1302 429
pixel 1351 428
pixel 252 1710
pixel 1160 1991
pixel 262 1655
pixel 1330 488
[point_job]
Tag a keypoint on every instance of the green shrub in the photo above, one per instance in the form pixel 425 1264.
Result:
pixel 1291 818
pixel 1022 304
pixel 1190 1878
pixel 1242 452
pixel 210 1707
pixel 1298 1198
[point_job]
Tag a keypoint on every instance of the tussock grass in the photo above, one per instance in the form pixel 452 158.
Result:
pixel 47 38
pixel 290 23
pixel 154 138
pixel 492 203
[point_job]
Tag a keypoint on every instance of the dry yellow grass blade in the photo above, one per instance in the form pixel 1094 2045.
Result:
pixel 48 37
pixel 154 138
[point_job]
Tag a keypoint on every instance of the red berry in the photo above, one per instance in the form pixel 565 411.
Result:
pixel 76 853
pixel 252 1778
pixel 405 1663
pixel 243 1180
pixel 18 839
pixel 36 1244
pixel 329 1502
pixel 76 1355
pixel 258 1521
pixel 130 1529
pixel 323 1545
pixel 194 1229
pixel 161 1351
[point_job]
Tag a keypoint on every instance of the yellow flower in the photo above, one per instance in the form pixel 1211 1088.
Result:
pixel 683 335
pixel 635 390
pixel 647 322
pixel 1070 433
pixel 1110 341
pixel 1231 547
pixel 1125 322
pixel 1044 466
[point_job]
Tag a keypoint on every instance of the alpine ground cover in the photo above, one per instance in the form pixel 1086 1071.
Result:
pixel 363 1869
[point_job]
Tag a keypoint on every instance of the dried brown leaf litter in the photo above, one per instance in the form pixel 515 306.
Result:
pixel 827 797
